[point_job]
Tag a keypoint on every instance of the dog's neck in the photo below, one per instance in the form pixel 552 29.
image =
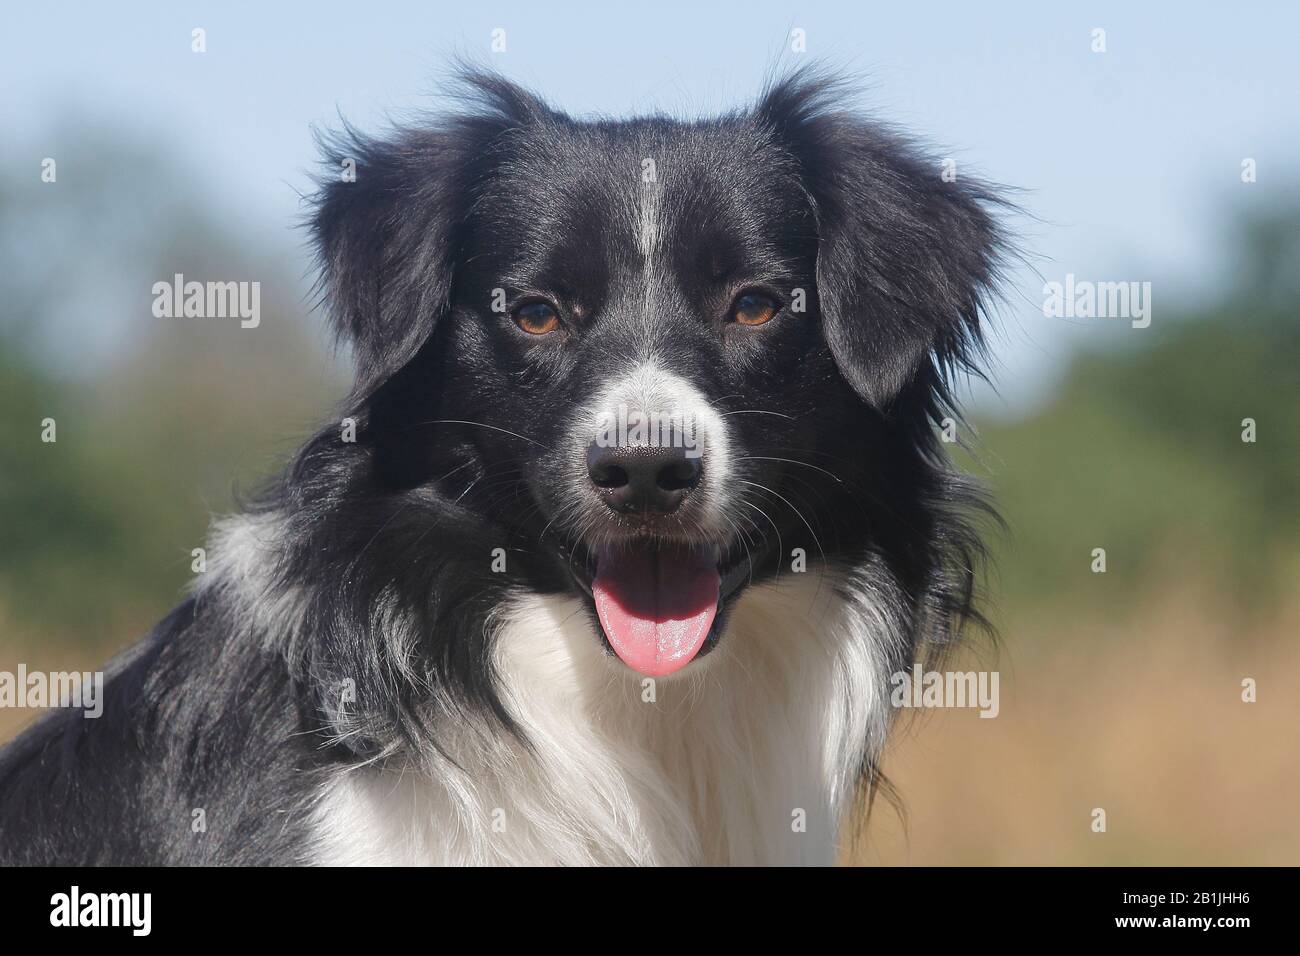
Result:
pixel 750 756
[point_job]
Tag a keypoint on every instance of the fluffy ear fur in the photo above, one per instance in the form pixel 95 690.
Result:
pixel 386 239
pixel 906 261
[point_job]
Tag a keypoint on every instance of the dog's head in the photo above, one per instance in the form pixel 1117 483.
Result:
pixel 660 360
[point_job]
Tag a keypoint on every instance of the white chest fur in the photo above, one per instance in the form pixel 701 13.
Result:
pixel 749 756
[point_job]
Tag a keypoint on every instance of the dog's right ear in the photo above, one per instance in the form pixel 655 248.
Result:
pixel 388 218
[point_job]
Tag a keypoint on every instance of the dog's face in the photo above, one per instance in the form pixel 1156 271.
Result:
pixel 653 336
pixel 663 360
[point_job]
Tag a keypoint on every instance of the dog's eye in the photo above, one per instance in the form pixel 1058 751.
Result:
pixel 753 308
pixel 537 318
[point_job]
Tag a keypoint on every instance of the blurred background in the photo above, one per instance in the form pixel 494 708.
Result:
pixel 1119 690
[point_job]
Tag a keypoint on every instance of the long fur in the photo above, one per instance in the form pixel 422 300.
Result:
pixel 353 681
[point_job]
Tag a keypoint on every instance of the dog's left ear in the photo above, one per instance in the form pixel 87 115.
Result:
pixel 388 217
pixel 907 255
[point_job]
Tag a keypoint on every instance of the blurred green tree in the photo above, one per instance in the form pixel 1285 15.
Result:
pixel 159 421
pixel 1141 452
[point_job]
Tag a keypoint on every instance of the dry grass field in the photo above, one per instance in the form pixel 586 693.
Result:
pixel 1142 718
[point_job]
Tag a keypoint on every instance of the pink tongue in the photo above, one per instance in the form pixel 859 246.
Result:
pixel 656 606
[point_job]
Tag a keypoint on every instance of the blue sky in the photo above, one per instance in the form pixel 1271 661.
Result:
pixel 1129 159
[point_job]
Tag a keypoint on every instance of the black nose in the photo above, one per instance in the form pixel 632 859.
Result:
pixel 642 479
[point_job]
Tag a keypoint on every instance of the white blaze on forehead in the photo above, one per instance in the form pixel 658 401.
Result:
pixel 648 238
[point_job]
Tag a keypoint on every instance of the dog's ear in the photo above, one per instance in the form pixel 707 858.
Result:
pixel 388 218
pixel 906 255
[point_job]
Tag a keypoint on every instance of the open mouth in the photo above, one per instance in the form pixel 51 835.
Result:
pixel 659 605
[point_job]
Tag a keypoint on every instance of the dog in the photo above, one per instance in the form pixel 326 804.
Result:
pixel 638 499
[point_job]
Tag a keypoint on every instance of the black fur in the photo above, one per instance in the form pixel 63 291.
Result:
pixel 381 574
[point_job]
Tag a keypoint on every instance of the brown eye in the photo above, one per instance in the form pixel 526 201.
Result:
pixel 753 308
pixel 537 318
